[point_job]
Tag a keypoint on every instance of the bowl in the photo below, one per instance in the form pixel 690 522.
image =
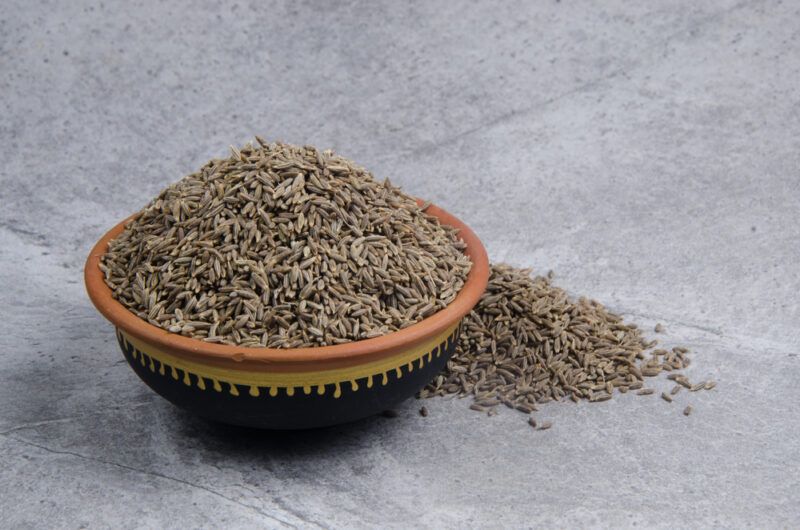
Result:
pixel 290 388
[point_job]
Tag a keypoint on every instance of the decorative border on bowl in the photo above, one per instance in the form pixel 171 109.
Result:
pixel 206 377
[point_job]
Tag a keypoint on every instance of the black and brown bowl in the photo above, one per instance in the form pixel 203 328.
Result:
pixel 290 388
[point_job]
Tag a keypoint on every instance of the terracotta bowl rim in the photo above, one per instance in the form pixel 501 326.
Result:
pixel 356 351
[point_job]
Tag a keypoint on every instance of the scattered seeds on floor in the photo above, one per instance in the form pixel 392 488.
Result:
pixel 423 411
pixel 532 422
pixel 666 397
pixel 659 328
pixel 687 410
pixel 545 425
pixel 675 389
pixel 527 342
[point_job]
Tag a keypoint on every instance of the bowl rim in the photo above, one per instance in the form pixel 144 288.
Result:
pixel 348 353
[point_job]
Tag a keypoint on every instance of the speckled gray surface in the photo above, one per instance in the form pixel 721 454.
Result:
pixel 647 152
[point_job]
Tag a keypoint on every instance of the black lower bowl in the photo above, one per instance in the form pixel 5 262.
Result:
pixel 298 400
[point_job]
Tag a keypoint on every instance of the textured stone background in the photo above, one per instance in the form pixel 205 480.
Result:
pixel 648 152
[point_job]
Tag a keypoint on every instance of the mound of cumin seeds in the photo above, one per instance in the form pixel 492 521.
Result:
pixel 526 342
pixel 284 246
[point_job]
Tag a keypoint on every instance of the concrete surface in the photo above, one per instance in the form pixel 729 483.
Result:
pixel 648 152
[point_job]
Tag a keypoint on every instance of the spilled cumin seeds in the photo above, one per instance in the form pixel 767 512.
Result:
pixel 527 342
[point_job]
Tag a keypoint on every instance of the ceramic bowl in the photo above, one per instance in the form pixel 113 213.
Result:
pixel 290 388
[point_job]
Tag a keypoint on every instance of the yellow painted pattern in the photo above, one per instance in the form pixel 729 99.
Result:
pixel 265 383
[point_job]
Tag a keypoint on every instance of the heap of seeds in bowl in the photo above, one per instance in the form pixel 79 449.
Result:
pixel 527 342
pixel 284 247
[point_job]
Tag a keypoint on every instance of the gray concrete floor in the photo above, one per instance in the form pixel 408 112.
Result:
pixel 648 152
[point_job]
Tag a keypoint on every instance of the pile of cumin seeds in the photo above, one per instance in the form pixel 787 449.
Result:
pixel 284 247
pixel 527 342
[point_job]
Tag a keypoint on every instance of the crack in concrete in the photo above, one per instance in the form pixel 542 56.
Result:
pixel 40 423
pixel 36 424
pixel 502 118
pixel 157 475
pixel 38 239
pixel 283 505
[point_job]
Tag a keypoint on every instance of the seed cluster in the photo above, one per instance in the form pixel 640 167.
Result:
pixel 526 342
pixel 284 246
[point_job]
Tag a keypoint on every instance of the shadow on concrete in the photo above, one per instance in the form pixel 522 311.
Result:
pixel 230 439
